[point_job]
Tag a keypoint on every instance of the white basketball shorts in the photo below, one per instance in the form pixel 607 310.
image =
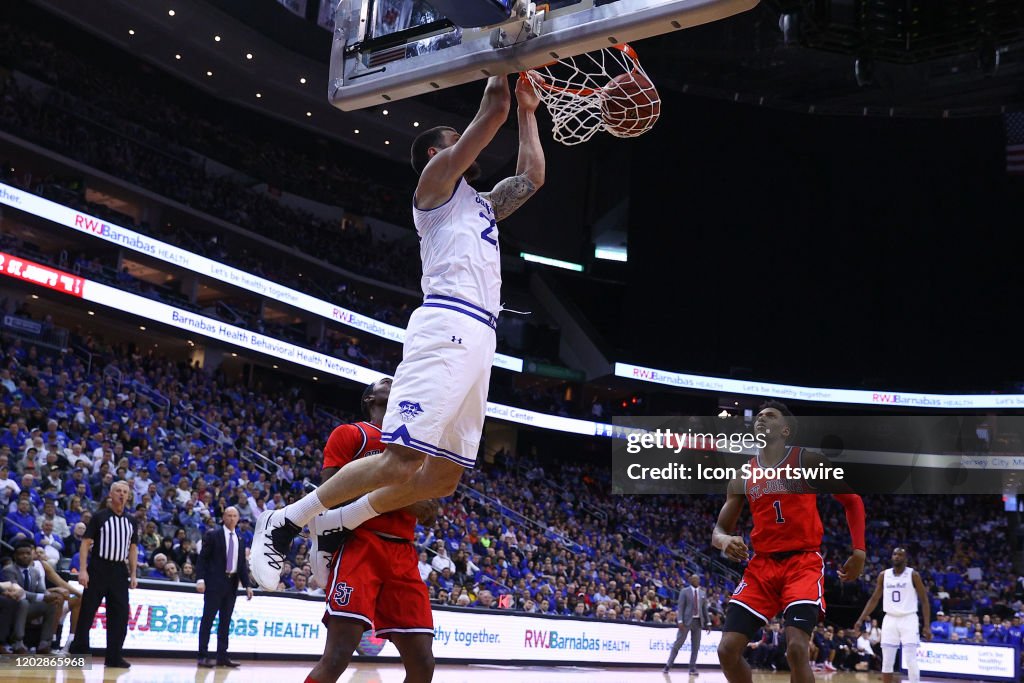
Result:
pixel 439 395
pixel 901 629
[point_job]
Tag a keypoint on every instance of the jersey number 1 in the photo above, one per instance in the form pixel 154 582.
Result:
pixel 779 519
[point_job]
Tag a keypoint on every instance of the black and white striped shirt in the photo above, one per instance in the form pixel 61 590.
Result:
pixel 112 535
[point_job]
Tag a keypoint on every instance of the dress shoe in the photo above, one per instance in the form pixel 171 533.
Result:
pixel 228 663
pixel 207 663
pixel 44 650
pixel 19 649
pixel 120 664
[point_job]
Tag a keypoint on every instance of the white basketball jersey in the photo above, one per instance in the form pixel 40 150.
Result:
pixel 900 596
pixel 459 248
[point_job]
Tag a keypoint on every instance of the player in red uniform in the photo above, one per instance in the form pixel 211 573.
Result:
pixel 787 572
pixel 374 580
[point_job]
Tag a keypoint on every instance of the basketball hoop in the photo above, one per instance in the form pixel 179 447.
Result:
pixel 603 90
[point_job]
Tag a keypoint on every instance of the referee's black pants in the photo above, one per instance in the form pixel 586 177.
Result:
pixel 106 580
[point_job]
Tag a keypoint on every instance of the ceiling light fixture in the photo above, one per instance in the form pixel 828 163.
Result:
pixel 302 81
pixel 170 13
pixel 217 38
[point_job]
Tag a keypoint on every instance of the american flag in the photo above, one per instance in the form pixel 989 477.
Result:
pixel 1015 143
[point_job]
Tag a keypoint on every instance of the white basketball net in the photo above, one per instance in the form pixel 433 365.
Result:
pixel 578 92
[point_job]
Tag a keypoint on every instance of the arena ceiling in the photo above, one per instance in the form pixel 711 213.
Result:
pixel 848 57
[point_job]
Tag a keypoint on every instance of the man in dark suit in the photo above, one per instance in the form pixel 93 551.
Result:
pixel 770 651
pixel 221 568
pixel 692 617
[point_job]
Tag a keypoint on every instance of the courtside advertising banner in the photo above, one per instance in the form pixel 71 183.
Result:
pixel 974 662
pixel 168 621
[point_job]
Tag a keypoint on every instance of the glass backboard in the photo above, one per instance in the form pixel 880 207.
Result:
pixel 387 50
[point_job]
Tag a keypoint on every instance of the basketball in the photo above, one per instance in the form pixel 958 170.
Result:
pixel 630 105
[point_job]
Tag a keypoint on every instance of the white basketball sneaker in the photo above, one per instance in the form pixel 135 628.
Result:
pixel 270 545
pixel 327 536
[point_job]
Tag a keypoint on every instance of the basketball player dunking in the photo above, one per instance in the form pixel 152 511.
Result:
pixel 439 396
pixel 902 593
pixel 786 572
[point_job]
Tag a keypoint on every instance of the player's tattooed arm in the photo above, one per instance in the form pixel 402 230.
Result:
pixel 509 195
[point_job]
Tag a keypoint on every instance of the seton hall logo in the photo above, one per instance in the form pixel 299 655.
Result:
pixel 342 593
pixel 409 410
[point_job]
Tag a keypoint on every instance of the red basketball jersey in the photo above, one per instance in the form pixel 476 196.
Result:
pixel 361 440
pixel 785 510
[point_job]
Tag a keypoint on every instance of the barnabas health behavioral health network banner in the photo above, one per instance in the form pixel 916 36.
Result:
pixel 167 620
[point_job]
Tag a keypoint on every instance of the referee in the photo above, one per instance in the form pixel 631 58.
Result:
pixel 110 541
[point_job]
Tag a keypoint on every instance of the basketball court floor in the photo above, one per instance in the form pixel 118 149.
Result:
pixel 180 671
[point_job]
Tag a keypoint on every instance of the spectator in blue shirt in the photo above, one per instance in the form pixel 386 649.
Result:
pixel 157 570
pixel 29 485
pixel 14 437
pixel 71 485
pixel 998 632
pixel 444 580
pixel 987 626
pixel 1015 633
pixel 189 517
pixel 23 522
pixel 941 628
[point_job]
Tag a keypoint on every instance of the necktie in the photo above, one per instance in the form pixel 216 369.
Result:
pixel 231 552
pixel 24 573
pixel 696 610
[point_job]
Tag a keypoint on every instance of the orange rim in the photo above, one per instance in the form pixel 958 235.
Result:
pixel 625 48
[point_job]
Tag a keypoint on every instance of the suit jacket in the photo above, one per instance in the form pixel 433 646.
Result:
pixel 685 610
pixel 778 636
pixel 36 585
pixel 213 563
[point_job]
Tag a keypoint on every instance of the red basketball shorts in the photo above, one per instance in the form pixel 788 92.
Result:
pixel 377 581
pixel 771 586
